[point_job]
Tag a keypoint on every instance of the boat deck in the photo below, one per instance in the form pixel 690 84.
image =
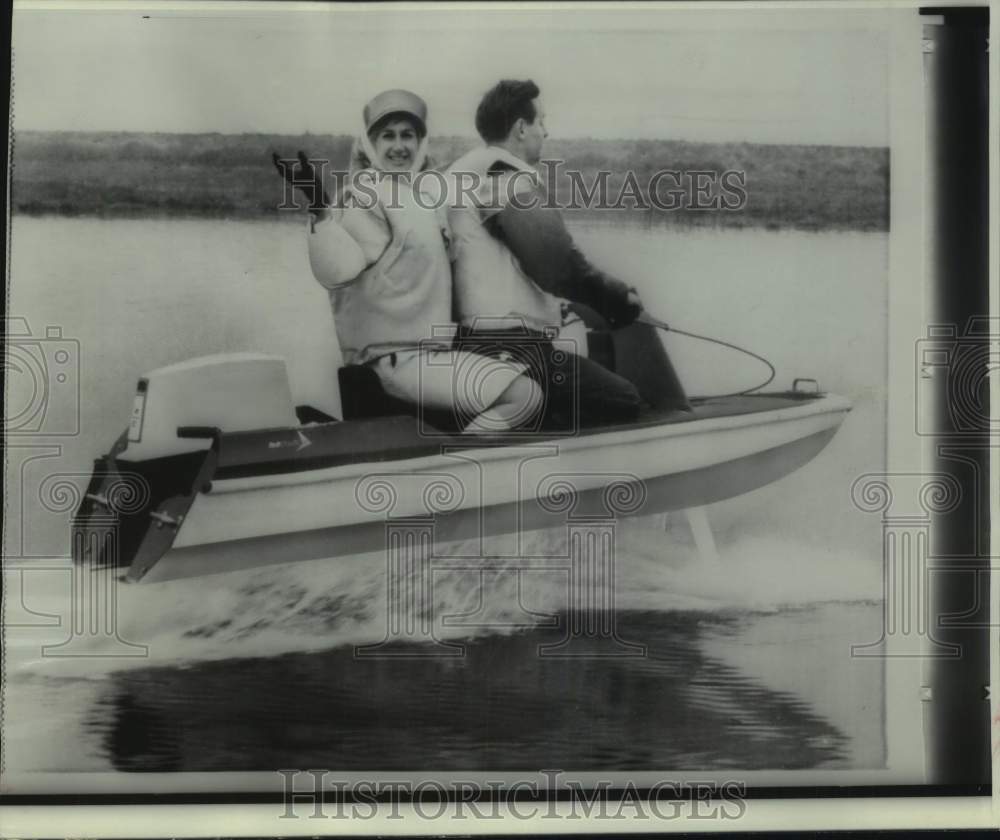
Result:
pixel 396 438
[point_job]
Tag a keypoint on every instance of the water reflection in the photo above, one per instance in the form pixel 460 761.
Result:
pixel 501 707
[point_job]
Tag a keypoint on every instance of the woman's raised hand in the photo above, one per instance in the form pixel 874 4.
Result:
pixel 304 176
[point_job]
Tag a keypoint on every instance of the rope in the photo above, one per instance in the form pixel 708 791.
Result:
pixel 653 322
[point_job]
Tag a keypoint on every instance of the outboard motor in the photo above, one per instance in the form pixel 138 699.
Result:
pixel 140 492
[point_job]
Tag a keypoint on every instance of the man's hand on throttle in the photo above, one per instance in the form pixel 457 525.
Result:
pixel 624 307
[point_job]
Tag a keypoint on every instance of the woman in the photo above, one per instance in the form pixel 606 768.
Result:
pixel 382 253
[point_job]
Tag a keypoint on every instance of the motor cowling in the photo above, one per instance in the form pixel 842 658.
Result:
pixel 232 392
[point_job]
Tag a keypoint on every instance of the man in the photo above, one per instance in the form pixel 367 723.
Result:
pixel 515 263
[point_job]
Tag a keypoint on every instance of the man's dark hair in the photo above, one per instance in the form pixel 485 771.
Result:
pixel 503 105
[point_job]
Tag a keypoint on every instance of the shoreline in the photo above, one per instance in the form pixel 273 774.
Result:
pixel 638 219
pixel 216 176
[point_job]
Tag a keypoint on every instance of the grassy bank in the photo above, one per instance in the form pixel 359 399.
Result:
pixel 231 176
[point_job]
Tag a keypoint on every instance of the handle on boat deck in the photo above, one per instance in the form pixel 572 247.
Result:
pixel 210 432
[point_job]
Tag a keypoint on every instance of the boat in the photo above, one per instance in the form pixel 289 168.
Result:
pixel 218 470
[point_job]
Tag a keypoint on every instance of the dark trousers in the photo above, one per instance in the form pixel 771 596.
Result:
pixel 579 392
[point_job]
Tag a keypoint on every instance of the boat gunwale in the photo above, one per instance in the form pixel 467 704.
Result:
pixel 453 448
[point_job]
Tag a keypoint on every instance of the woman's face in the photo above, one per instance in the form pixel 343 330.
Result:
pixel 395 145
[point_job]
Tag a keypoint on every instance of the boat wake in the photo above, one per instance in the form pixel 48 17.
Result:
pixel 318 605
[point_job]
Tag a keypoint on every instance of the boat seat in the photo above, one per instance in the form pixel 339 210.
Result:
pixel 362 397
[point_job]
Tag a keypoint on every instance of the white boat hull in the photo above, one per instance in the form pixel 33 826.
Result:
pixel 343 511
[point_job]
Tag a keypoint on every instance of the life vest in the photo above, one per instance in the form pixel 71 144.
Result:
pixel 401 300
pixel 488 279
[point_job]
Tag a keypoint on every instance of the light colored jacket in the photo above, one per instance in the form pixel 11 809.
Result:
pixel 387 269
pixel 488 279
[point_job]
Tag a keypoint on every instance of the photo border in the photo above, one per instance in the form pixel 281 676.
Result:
pixel 877 806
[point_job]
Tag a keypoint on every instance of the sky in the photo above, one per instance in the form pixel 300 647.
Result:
pixel 790 77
